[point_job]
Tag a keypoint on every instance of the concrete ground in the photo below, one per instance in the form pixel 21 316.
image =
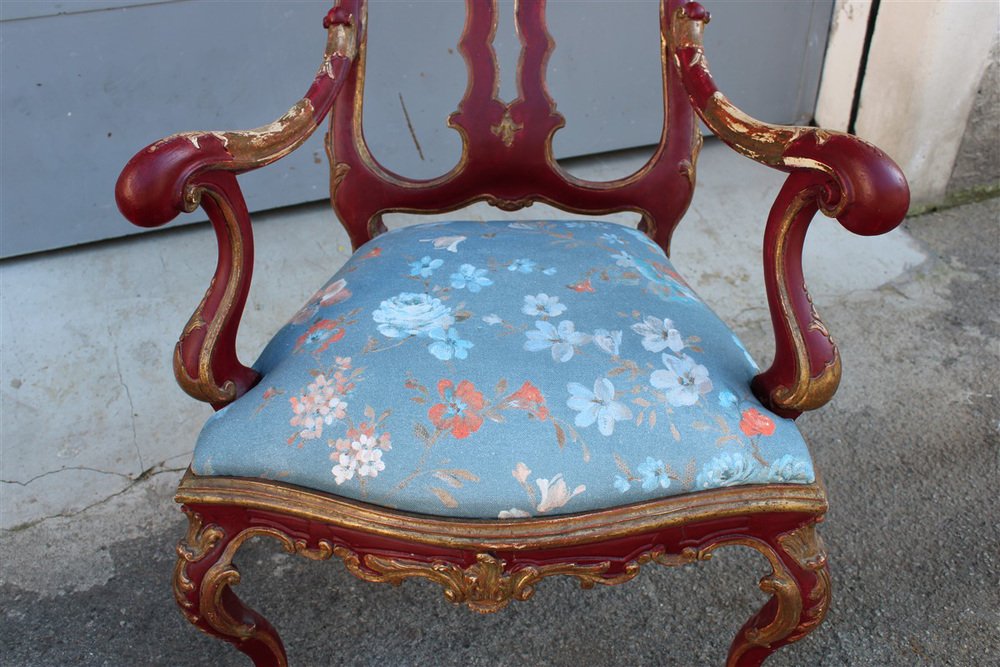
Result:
pixel 909 449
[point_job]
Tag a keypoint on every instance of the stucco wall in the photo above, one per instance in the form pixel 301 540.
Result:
pixel 977 166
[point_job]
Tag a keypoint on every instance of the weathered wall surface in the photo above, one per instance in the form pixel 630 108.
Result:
pixel 977 166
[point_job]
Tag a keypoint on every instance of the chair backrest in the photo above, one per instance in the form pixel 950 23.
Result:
pixel 507 157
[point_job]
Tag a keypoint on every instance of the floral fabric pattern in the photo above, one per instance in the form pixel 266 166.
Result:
pixel 505 370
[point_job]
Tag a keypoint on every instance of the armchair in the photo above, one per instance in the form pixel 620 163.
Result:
pixel 485 405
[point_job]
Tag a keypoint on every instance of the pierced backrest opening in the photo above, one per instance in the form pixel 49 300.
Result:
pixel 507 157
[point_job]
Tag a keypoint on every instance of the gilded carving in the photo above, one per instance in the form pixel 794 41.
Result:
pixel 212 609
pixel 794 615
pixel 199 541
pixel 485 582
pixel 488 585
pixel 509 204
pixel 506 128
pixel 806 547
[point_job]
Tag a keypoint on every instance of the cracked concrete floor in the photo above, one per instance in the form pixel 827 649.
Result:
pixel 94 436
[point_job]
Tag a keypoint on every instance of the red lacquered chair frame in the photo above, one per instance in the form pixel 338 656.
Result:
pixel 507 161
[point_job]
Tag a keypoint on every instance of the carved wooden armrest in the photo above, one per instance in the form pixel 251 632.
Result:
pixel 833 172
pixel 184 171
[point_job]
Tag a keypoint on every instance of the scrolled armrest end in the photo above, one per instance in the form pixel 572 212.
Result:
pixel 868 195
pixel 152 188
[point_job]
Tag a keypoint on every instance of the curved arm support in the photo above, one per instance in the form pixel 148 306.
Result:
pixel 181 172
pixel 835 173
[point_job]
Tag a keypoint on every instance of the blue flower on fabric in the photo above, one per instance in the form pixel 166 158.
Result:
pixel 598 405
pixel 746 354
pixel 727 399
pixel 471 278
pixel 641 236
pixel 409 314
pixel 611 238
pixel 790 470
pixel 425 267
pixel 522 265
pixel 542 305
pixel 729 469
pixel 561 340
pixel 653 474
pixel 551 271
pixel 622 484
pixel 447 344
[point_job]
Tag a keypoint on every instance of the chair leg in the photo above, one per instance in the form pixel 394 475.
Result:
pixel 202 579
pixel 800 588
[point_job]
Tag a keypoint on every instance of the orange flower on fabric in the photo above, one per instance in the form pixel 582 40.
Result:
pixel 754 422
pixel 529 398
pixel 460 411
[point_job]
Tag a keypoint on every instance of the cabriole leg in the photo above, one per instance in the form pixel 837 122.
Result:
pixel 800 588
pixel 202 579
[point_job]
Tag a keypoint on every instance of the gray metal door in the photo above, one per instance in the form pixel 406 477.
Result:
pixel 85 84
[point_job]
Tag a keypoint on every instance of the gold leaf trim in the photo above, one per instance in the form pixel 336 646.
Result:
pixel 808 392
pixel 197 544
pixel 506 128
pixel 489 585
pixel 501 535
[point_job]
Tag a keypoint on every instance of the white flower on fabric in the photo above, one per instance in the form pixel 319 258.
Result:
pixel 624 260
pixel 683 381
pixel 492 319
pixel 449 243
pixel 658 335
pixel 729 469
pixel 555 493
pixel 611 238
pixel 410 314
pixel 370 463
pixel 598 405
pixel 344 470
pixel 561 340
pixel 608 341
pixel 790 470
pixel 542 305
pixel 513 513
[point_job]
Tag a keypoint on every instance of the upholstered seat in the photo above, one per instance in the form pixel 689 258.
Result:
pixel 503 370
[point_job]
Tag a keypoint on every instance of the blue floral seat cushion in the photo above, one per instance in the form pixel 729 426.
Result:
pixel 498 370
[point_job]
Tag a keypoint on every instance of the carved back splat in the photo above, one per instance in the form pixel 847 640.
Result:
pixel 507 156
